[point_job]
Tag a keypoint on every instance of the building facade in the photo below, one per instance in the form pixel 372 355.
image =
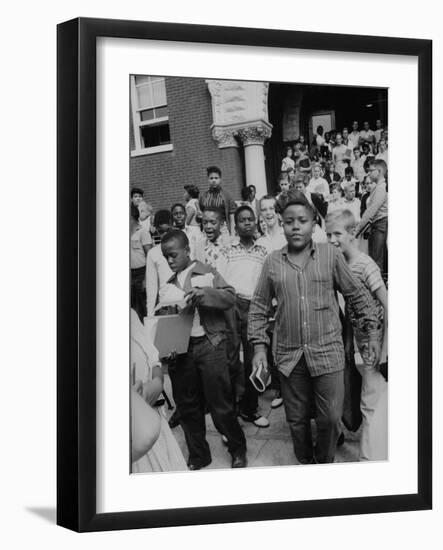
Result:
pixel 179 126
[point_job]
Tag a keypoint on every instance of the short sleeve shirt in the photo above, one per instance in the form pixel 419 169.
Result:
pixel 139 238
pixel 367 272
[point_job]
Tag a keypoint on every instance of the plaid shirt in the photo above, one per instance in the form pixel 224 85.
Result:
pixel 307 317
pixel 212 253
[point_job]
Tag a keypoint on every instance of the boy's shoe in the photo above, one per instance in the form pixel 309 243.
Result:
pixel 174 421
pixel 198 465
pixel 239 461
pixel 277 401
pixel 256 419
pixel 224 440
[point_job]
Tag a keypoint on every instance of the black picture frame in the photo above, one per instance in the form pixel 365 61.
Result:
pixel 76 279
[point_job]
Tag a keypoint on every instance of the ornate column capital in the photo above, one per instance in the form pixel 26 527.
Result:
pixel 255 134
pixel 225 137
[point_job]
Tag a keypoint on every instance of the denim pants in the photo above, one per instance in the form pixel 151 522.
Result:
pixel 300 391
pixel 377 248
pixel 249 402
pixel 199 378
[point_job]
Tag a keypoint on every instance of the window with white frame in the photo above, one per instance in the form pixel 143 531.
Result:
pixel 150 115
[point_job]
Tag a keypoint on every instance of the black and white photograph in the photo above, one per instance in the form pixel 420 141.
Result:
pixel 259 274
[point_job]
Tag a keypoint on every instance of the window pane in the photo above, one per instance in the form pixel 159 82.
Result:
pixel 164 134
pixel 147 115
pixel 159 93
pixel 144 96
pixel 153 136
pixel 140 79
pixel 160 111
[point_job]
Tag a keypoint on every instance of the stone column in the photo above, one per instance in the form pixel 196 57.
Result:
pixel 253 138
pixel 240 114
pixel 231 154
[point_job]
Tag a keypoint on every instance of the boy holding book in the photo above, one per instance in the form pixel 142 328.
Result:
pixel 308 345
pixel 200 377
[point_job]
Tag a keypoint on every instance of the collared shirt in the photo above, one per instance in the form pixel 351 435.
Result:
pixel 197 328
pixel 212 253
pixel 218 297
pixel 287 163
pixel 307 317
pixel 244 266
pixel 273 241
pixel 139 238
pixel 157 274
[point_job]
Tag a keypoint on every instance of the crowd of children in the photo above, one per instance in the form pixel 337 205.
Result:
pixel 259 282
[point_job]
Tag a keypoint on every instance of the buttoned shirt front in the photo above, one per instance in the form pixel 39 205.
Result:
pixel 212 253
pixel 307 316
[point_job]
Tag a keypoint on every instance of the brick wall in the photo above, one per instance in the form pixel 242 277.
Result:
pixel 163 175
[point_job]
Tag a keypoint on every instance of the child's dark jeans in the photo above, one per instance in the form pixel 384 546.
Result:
pixel 299 391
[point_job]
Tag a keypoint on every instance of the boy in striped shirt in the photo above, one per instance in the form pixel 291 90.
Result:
pixel 307 345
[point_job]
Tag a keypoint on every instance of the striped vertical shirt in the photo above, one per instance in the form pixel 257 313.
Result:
pixel 220 199
pixel 307 317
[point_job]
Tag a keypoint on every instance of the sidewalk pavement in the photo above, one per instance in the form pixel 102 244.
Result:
pixel 270 446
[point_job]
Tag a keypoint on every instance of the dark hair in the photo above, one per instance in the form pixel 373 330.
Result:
pixel 245 193
pixel 136 191
pixel 135 213
pixel 212 170
pixel 349 170
pixel 162 217
pixel 178 204
pixel 299 199
pixel 215 210
pixel 252 186
pixel 241 209
pixel 192 190
pixel 177 235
